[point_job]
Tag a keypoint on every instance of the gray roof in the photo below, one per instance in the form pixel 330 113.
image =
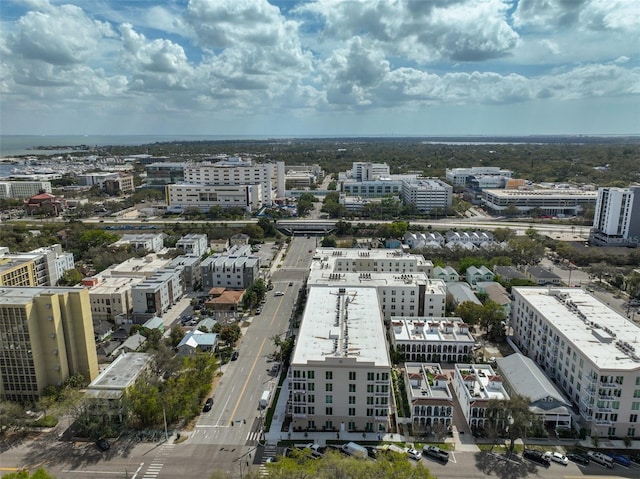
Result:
pixel 527 379
pixel 509 272
pixel 462 292
pixel 538 272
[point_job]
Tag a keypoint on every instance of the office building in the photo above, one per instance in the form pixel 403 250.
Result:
pixel 165 173
pixel 463 176
pixel 339 377
pixel 549 201
pixel 109 182
pixel 617 217
pixel 427 194
pixel 23 189
pixel 588 350
pixel 234 171
pixel 46 336
pixel 182 196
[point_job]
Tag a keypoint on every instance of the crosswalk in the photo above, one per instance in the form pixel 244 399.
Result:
pixel 156 465
pixel 253 437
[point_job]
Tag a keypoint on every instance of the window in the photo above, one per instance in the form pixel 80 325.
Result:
pixel 633 418
pixel 352 411
pixel 369 399
pixel 328 411
pixel 311 398
pixel 635 406
pixel 352 388
pixel 369 388
pixel 369 411
pixel 328 387
pixel 352 399
pixel 352 375
pixel 328 399
pixel 311 374
pixel 328 375
pixel 311 386
pixel 311 410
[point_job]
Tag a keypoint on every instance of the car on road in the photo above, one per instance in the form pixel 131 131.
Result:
pixel 103 444
pixel 208 404
pixel 278 293
pixel 578 458
pixel 291 283
pixel 258 310
pixel 414 454
pixel 234 355
pixel 537 456
pixel 557 457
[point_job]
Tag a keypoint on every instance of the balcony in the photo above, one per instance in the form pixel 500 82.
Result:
pixel 587 402
pixel 603 409
pixel 603 422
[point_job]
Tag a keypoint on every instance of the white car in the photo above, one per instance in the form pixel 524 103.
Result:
pixel 557 457
pixel 278 293
pixel 415 455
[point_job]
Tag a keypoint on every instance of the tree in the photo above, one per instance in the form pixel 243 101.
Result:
pixel 24 474
pixel 143 401
pixel 503 234
pixel 469 311
pixel 11 415
pixel 268 226
pixel 526 250
pixel 512 416
pixel 254 231
pixel 70 277
pixel 329 242
pixel 230 334
pixel 94 238
pixel 176 335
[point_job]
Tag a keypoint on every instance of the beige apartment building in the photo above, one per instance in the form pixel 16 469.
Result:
pixel 46 336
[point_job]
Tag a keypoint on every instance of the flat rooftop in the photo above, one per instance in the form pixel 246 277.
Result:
pixel 605 337
pixel 320 277
pixel 342 323
pixel 138 266
pixel 21 295
pixel 113 284
pixel 428 329
pixel 427 381
pixel 481 382
pixel 332 254
pixel 547 193
pixel 119 375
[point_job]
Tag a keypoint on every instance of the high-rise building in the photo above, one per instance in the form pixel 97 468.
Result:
pixel 46 336
pixel 427 194
pixel 617 217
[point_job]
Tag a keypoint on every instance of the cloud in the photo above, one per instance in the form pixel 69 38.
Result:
pixel 62 35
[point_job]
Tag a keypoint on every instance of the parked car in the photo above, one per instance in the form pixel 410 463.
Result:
pixel 557 457
pixel 537 456
pixel 578 458
pixel 234 355
pixel 208 404
pixel 414 454
pixel 103 444
pixel 620 459
pixel 278 293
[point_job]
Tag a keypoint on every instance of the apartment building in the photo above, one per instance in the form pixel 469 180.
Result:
pixel 427 194
pixel 588 350
pixel 235 171
pixel 339 378
pixel 186 195
pixel 110 296
pixel 426 339
pixel 109 182
pixel 432 404
pixel 191 271
pixel 46 336
pixel 367 171
pixel 617 217
pixel 238 268
pixel 193 244
pixel 40 267
pixel 550 201
pixel 475 385
pixel 153 242
pixel 137 267
pixel 401 280
pixel 156 294
pixel 463 176
pixel 23 189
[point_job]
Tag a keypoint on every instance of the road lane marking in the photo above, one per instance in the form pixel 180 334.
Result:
pixel 246 383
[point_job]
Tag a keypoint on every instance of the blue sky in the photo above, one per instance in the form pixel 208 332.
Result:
pixel 320 67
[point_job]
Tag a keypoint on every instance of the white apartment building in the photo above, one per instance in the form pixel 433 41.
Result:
pixel 49 262
pixel 427 194
pixel 432 339
pixel 110 182
pixel 551 201
pixel 23 189
pixel 155 295
pixel 234 171
pixel 432 403
pixel 186 195
pixel 475 385
pixel 401 280
pixel 237 268
pixel 339 378
pixel 461 176
pixel 143 241
pixel 193 244
pixel 191 271
pixel 367 171
pixel 137 267
pixel 110 296
pixel 617 217
pixel 588 350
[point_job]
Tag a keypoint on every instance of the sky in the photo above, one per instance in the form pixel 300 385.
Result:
pixel 319 67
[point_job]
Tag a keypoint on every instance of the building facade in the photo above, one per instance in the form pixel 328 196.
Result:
pixel 187 195
pixel 462 176
pixel 155 295
pixel 165 173
pixel 46 336
pixel 193 244
pixel 431 401
pixel 588 350
pixel 339 378
pixel 23 189
pixel 617 217
pixel 552 201
pixel 238 268
pixel 427 194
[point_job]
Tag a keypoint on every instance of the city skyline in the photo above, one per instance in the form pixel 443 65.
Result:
pixel 322 67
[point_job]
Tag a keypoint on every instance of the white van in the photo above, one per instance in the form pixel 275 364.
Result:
pixel 264 400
